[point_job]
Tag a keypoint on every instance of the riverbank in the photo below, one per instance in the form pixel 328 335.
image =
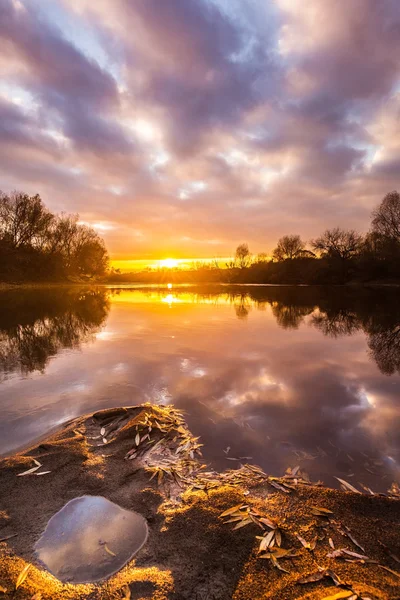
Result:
pixel 145 459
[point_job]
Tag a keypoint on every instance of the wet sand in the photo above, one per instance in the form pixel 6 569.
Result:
pixel 191 553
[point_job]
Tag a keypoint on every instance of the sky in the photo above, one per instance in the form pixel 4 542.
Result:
pixel 181 128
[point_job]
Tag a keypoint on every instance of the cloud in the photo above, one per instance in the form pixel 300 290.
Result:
pixel 286 111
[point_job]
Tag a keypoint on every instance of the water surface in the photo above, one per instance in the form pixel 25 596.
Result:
pixel 283 375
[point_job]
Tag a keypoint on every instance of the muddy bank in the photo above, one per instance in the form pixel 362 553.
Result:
pixel 145 459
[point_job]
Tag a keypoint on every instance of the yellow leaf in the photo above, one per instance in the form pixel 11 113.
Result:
pixel 107 549
pixel 22 576
pixel 232 510
pixel 343 594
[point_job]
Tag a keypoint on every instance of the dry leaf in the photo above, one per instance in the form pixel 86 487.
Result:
pixel 43 473
pixel 137 439
pixel 22 576
pixel 243 523
pixel 232 510
pixel 3 590
pixel 277 565
pixel 332 545
pixel 320 512
pixel 343 594
pixel 278 486
pixel 102 431
pixel 353 539
pixel 317 576
pixel 266 541
pixel 309 545
pixel 390 570
pixel 29 471
pixel 335 578
pixel 37 596
pixel 278 537
pixel 347 486
pixel 268 522
pixel 107 549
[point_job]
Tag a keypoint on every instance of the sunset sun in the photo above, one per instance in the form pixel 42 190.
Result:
pixel 170 263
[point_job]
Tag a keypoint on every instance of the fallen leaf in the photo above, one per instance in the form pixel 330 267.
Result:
pixel 347 486
pixel 277 565
pixel 320 512
pixel 110 552
pixel 232 510
pixel 283 553
pixel 341 551
pixel 332 545
pixel 268 522
pixel 309 545
pixel 390 570
pixel 278 537
pixel 243 523
pixel 22 576
pixel 266 541
pixel 279 487
pixel 388 552
pixel 43 473
pixel 346 531
pixel 37 596
pixel 104 440
pixel 317 576
pixel 29 471
pixel 343 594
pixel 335 578
pixel 3 590
pixel 102 431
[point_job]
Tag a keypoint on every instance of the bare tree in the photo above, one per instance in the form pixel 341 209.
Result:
pixel 386 217
pixel 31 235
pixel 339 243
pixel 289 247
pixel 243 256
pixel 24 219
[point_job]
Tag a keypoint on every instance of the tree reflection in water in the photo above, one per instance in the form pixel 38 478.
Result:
pixel 336 312
pixel 36 324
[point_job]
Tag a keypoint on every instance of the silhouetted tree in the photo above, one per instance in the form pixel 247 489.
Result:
pixel 24 220
pixel 289 247
pixel 386 217
pixel 338 243
pixel 35 244
pixel 243 256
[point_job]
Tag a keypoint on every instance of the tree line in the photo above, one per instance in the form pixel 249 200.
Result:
pixel 337 256
pixel 37 245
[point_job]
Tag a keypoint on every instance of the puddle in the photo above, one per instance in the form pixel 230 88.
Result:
pixel 89 539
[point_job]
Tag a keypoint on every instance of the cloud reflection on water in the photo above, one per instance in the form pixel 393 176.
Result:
pixel 284 375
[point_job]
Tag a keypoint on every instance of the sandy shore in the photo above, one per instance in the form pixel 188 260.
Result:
pixel 192 552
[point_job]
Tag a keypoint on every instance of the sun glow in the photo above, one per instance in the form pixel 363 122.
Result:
pixel 170 263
